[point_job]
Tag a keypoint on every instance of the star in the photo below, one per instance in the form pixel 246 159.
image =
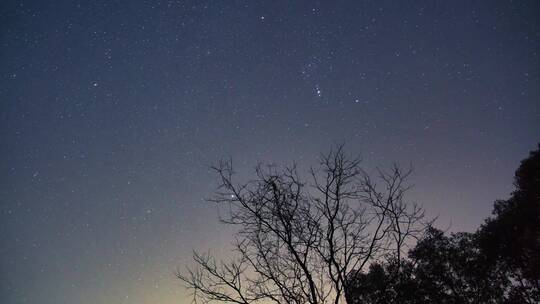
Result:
pixel 318 90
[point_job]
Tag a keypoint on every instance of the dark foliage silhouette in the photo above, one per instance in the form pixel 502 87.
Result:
pixel 499 263
pixel 511 239
pixel 440 269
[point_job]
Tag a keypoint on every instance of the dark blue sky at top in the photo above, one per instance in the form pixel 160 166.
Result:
pixel 111 112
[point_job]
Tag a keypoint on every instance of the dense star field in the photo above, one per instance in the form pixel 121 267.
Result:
pixel 112 111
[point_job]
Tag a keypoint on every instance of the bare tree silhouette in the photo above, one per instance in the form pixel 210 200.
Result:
pixel 300 242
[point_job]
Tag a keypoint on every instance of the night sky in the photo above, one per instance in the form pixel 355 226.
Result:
pixel 111 113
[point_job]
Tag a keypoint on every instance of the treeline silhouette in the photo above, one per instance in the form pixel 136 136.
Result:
pixel 499 263
pixel 347 236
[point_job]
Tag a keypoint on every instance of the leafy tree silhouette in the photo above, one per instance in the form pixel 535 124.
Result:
pixel 511 239
pixel 499 263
